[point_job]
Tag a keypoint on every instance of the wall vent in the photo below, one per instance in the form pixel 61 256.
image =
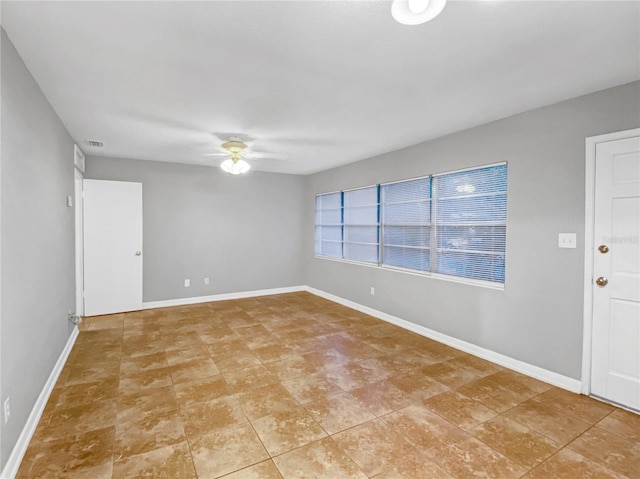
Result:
pixel 95 143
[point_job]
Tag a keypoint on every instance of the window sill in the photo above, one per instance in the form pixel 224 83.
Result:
pixel 430 275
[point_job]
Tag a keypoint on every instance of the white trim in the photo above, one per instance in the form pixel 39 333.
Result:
pixel 423 274
pixel 78 179
pixel 221 297
pixel 13 463
pixel 78 159
pixel 589 218
pixel 536 372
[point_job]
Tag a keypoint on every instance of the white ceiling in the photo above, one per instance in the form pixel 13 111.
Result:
pixel 313 84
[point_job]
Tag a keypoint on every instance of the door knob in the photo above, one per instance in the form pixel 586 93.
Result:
pixel 602 281
pixel 138 253
pixel 603 248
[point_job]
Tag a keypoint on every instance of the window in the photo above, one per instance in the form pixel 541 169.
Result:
pixel 450 224
pixel 361 224
pixel 329 225
pixel 471 223
pixel 406 224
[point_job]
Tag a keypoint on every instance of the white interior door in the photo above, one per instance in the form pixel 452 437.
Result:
pixel 112 246
pixel 616 269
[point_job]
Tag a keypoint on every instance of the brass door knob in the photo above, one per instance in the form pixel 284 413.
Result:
pixel 602 281
pixel 603 248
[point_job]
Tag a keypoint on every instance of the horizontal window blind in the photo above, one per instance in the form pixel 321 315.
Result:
pixel 470 223
pixel 361 224
pixel 451 223
pixel 328 233
pixel 406 224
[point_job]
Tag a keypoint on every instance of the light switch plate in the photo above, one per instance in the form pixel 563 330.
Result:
pixel 567 240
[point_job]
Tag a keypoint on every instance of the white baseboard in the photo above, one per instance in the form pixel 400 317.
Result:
pixel 221 297
pixel 13 464
pixel 564 382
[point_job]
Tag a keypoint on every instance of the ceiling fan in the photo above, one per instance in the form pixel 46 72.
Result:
pixel 238 149
pixel 235 164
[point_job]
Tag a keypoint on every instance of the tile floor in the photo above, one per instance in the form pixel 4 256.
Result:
pixel 294 386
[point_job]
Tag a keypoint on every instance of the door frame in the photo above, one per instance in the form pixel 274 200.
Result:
pixel 589 214
pixel 78 178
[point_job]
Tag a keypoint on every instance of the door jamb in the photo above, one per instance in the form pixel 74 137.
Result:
pixel 78 173
pixel 590 189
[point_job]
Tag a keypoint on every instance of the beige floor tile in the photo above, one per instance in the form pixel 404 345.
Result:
pixel 132 366
pixel 515 441
pixel 338 413
pixel 356 375
pixel 266 400
pixel 623 423
pixel 548 420
pixel 91 372
pixel 311 388
pixel 417 385
pixel 620 454
pixel 69 422
pixel 319 460
pixel 170 462
pixel 381 397
pixel 262 470
pixel 73 456
pixel 291 367
pixel 250 378
pixel 226 450
pixel 152 378
pixel 568 464
pixel 85 393
pixel 194 369
pixel 211 415
pixel 459 409
pixel 373 446
pixel 201 389
pixel 283 431
pixel 575 405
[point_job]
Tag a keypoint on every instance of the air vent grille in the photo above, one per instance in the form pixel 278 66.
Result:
pixel 95 143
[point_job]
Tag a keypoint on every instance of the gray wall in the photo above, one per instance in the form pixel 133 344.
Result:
pixel 243 232
pixel 37 264
pixel 538 317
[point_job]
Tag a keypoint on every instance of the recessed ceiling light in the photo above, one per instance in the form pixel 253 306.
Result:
pixel 415 12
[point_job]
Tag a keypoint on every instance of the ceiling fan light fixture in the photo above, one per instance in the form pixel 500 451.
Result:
pixel 235 167
pixel 415 12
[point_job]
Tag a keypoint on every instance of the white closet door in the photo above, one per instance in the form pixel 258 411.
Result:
pixel 112 246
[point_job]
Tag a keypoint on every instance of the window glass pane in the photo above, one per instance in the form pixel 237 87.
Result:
pixel 361 224
pixel 407 257
pixel 406 218
pixel 471 208
pixel 472 265
pixel 328 235
pixel 485 180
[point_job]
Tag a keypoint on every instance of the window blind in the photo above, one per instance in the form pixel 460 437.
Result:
pixel 406 224
pixel 451 223
pixel 470 223
pixel 328 234
pixel 361 224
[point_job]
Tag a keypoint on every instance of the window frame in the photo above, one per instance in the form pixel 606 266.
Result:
pixel 433 232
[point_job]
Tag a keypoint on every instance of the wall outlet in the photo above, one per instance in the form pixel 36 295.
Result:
pixel 187 283
pixel 373 291
pixel 7 410
pixel 206 281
